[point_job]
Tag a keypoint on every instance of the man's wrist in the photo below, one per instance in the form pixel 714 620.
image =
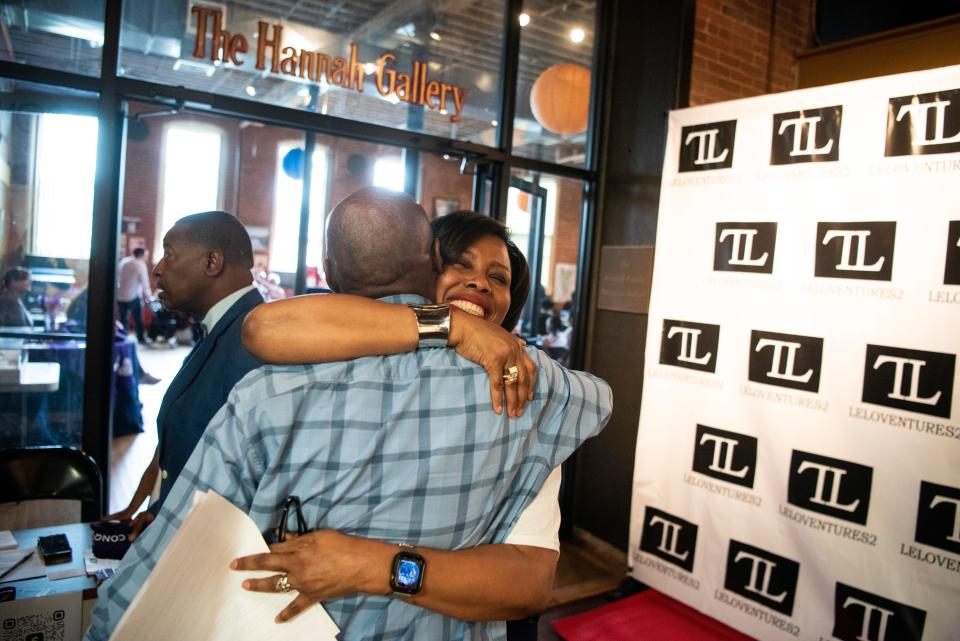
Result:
pixel 375 577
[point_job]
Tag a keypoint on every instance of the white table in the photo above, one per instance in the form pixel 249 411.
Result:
pixel 34 377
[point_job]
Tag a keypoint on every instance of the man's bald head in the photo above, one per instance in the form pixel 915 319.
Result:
pixel 379 243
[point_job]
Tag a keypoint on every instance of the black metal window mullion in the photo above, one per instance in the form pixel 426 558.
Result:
pixel 309 145
pixel 105 233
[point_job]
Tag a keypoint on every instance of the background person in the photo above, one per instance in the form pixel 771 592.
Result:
pixel 204 272
pixel 133 286
pixel 16 284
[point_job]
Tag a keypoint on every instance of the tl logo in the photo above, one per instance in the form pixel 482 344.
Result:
pixel 708 146
pixel 690 345
pixel 669 537
pixel 762 576
pixel 938 516
pixel 723 455
pixel 909 379
pixel 745 247
pixel 855 250
pixel 786 360
pixel 811 135
pixel 924 124
pixel 862 616
pixel 830 486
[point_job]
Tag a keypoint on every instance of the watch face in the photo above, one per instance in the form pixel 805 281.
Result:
pixel 408 573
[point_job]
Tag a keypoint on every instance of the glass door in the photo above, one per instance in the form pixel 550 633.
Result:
pixel 544 214
pixel 526 218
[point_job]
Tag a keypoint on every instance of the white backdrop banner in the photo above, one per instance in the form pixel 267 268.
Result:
pixel 798 459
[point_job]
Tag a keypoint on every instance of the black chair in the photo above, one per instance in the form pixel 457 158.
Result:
pixel 53 472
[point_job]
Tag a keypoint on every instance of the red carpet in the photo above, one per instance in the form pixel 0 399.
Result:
pixel 648 616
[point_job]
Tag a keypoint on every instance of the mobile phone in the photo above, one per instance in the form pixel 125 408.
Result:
pixel 54 548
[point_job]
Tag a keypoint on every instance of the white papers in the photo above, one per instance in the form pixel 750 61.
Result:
pixel 193 595
pixel 19 569
pixel 92 564
pixel 7 542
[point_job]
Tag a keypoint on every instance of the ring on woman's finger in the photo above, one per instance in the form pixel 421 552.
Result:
pixel 283 584
pixel 511 374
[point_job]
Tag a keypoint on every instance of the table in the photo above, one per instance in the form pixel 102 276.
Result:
pixel 81 538
pixel 34 377
pixel 54 415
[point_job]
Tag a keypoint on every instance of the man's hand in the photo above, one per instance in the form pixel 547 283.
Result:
pixel 320 565
pixel 138 524
pixel 495 349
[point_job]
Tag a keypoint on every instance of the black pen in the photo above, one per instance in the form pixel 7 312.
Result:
pixel 16 565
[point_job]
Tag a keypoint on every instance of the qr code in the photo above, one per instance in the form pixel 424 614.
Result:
pixel 50 626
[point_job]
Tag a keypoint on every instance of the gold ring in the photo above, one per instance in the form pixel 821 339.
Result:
pixel 512 374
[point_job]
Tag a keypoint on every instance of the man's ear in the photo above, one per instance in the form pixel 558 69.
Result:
pixel 214 262
pixel 328 275
pixel 436 258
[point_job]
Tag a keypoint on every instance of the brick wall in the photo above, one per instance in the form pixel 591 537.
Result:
pixel 736 54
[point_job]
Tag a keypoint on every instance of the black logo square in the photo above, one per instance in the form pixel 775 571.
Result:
pixel 745 247
pixel 830 486
pixel 727 456
pixel 689 345
pixel 811 135
pixel 909 379
pixel 708 146
pixel 669 537
pixel 951 273
pixel 859 615
pixel 928 123
pixel 9 624
pixel 762 576
pixel 938 516
pixel 855 250
pixel 785 360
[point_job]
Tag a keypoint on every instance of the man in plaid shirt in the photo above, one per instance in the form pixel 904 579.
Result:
pixel 404 449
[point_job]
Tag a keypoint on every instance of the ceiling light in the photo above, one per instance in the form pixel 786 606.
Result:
pixel 524 19
pixel 435 36
pixel 369 68
pixel 577 34
pixel 493 122
pixel 251 91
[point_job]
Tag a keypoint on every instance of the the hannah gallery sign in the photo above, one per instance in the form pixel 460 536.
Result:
pixel 415 87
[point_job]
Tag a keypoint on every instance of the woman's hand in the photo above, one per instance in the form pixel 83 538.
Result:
pixel 320 565
pixel 495 349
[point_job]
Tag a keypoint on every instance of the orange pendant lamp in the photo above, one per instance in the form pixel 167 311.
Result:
pixel 560 99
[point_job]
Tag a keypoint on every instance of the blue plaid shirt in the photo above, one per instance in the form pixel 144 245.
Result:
pixel 401 448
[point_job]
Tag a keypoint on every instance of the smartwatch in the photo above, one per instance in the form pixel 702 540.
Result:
pixel 406 573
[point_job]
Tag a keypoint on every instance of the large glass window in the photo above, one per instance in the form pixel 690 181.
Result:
pixel 66 35
pixel 553 80
pixel 285 231
pixel 46 205
pixel 427 65
pixel 192 171
pixel 66 163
